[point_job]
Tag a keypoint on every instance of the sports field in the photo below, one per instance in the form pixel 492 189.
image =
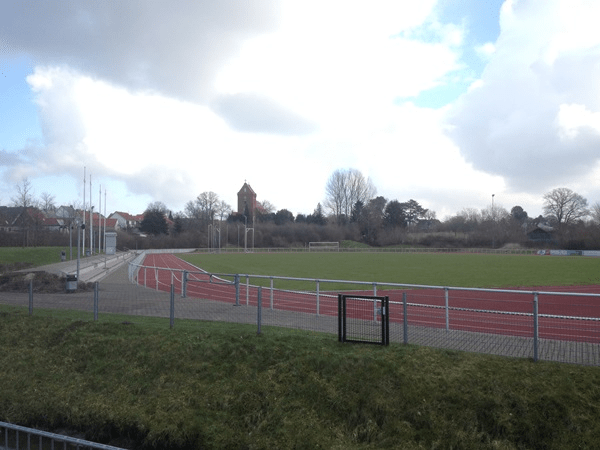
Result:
pixel 509 311
pixel 441 269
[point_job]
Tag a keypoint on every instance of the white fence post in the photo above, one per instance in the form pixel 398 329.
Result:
pixel 318 299
pixel 271 292
pixel 247 290
pixel 535 326
pixel 447 309
pixel 374 302
pixel 405 317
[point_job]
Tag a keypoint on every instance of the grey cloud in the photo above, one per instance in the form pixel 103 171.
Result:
pixel 173 47
pixel 257 114
pixel 9 159
pixel 508 126
pixel 166 186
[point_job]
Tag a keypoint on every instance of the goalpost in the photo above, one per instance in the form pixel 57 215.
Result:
pixel 323 246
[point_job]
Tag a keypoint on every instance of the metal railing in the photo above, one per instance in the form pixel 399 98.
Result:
pixel 562 326
pixel 545 325
pixel 15 437
pixel 502 251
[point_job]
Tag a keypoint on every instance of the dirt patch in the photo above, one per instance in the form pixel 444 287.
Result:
pixel 43 282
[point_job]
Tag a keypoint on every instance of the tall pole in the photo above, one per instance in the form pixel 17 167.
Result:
pixel 104 220
pixel 91 220
pixel 493 224
pixel 245 234
pixel 79 230
pixel 83 246
pixel 99 219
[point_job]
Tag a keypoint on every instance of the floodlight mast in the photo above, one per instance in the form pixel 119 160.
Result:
pixel 245 233
pixel 83 228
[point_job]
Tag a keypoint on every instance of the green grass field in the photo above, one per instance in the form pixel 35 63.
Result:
pixel 33 256
pixel 464 270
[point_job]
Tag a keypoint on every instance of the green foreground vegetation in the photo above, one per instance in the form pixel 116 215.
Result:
pixel 437 269
pixel 136 383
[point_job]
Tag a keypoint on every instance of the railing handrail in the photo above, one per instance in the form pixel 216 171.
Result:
pixel 379 283
pixel 55 437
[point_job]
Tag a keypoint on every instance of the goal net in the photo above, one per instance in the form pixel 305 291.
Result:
pixel 323 246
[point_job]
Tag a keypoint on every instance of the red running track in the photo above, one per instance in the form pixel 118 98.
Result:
pixel 561 317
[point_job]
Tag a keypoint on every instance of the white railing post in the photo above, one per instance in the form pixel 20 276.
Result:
pixel 247 290
pixel 535 326
pixel 447 309
pixel 271 292
pixel 374 302
pixel 405 317
pixel 318 299
pixel 237 290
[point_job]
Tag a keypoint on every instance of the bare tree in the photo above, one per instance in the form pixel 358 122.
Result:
pixel 25 195
pixel 47 202
pixel 565 206
pixel 267 206
pixel 222 210
pixel 204 208
pixel 595 213
pixel 344 188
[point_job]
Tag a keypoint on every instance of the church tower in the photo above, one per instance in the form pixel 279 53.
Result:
pixel 247 202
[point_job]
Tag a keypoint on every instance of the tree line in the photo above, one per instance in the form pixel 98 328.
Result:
pixel 352 210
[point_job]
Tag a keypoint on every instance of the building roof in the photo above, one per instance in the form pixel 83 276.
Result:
pixel 129 217
pixel 248 187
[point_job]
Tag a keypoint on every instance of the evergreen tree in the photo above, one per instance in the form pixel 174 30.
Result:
pixel 154 221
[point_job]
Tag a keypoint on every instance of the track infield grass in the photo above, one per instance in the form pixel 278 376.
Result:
pixel 437 269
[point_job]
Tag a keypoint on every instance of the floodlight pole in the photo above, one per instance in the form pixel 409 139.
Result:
pixel 80 229
pixel 493 224
pixel 245 234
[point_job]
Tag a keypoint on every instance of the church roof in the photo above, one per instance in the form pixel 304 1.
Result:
pixel 248 188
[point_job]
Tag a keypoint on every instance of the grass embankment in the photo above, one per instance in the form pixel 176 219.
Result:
pixel 15 258
pixel 464 270
pixel 215 385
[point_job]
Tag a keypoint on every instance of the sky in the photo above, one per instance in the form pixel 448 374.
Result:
pixel 452 103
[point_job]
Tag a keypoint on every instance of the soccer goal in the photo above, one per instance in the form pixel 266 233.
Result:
pixel 323 246
pixel 364 319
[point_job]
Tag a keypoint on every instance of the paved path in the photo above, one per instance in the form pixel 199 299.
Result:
pixel 91 268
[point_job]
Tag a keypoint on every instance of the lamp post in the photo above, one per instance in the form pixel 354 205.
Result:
pixel 493 224
pixel 80 229
pixel 245 234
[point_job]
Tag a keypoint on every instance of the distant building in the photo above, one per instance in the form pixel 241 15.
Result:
pixel 541 233
pixel 247 202
pixel 126 221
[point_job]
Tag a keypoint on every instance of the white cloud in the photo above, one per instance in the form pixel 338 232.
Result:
pixel 486 50
pixel 540 86
pixel 167 100
pixel 573 120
